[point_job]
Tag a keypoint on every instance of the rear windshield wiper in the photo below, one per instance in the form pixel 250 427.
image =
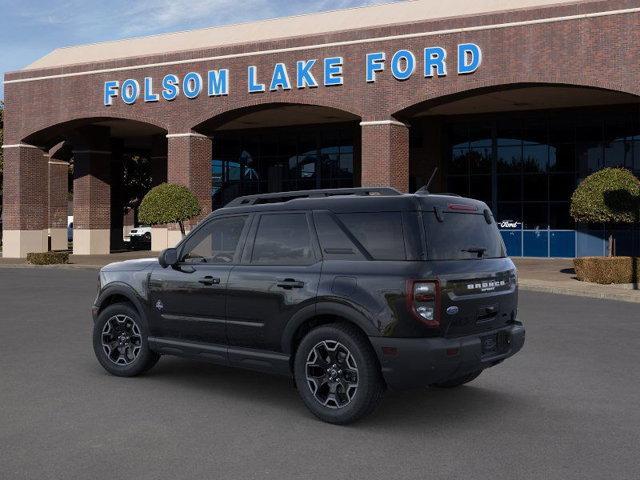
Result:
pixel 478 250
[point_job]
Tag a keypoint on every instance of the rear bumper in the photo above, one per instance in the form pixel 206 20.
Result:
pixel 419 362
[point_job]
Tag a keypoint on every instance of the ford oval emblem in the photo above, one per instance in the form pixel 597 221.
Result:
pixel 453 310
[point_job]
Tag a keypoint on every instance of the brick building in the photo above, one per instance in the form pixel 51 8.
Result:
pixel 513 101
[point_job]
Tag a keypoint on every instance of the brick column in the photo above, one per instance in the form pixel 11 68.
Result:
pixel 58 191
pixel 91 191
pixel 158 160
pixel 385 154
pixel 189 164
pixel 25 207
pixel 159 233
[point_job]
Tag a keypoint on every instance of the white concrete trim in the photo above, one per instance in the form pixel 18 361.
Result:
pixel 21 145
pixel 190 134
pixel 59 240
pixel 477 28
pixel 91 241
pixel 383 122
pixel 99 152
pixel 18 243
pixel 58 162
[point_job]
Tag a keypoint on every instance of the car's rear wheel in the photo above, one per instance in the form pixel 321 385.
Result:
pixel 458 381
pixel 337 374
pixel 120 341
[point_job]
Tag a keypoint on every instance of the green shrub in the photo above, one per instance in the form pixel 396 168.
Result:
pixel 48 258
pixel 168 203
pixel 611 195
pixel 606 270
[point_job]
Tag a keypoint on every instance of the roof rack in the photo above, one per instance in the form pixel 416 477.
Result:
pixel 286 196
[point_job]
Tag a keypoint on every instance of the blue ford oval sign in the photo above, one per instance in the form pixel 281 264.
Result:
pixel 453 310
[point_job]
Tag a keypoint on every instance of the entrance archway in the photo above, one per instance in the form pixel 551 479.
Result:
pixel 282 147
pixel 114 162
pixel 523 149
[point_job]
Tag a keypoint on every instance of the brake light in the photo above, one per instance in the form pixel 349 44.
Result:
pixel 423 301
pixel 459 207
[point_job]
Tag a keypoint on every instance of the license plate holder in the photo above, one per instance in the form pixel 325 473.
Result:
pixel 489 344
pixel 495 343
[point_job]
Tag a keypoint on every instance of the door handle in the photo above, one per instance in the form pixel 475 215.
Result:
pixel 209 280
pixel 289 283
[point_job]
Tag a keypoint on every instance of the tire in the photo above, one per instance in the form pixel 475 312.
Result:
pixel 458 381
pixel 122 347
pixel 346 388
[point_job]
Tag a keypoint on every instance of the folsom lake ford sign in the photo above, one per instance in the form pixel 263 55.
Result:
pixel 308 73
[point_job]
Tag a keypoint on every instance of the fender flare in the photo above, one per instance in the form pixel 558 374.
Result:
pixel 349 313
pixel 122 289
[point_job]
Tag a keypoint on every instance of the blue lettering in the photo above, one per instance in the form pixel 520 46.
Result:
pixel 434 58
pixel 218 82
pixel 130 91
pixel 304 77
pixel 110 92
pixel 192 85
pixel 403 64
pixel 280 78
pixel 333 71
pixel 149 96
pixel 170 87
pixel 375 63
pixel 469 58
pixel 254 87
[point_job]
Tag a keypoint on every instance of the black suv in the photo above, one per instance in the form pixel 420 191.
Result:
pixel 349 291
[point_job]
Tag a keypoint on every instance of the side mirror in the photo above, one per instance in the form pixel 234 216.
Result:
pixel 168 257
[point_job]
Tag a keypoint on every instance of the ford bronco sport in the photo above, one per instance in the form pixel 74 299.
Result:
pixel 349 291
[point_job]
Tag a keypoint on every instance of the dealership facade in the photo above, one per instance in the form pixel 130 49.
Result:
pixel 513 101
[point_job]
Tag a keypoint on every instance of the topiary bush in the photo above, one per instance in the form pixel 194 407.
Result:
pixel 48 258
pixel 168 203
pixel 611 195
pixel 606 270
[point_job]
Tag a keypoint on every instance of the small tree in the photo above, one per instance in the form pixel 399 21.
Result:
pixel 169 203
pixel 611 195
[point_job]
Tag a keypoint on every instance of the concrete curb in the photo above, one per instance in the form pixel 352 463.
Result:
pixel 606 293
pixel 67 266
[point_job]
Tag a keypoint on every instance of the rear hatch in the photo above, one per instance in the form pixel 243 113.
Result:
pixel 478 284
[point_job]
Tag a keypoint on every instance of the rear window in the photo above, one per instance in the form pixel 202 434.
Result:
pixel 461 236
pixel 379 233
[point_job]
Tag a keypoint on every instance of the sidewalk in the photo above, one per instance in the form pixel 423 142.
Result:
pixel 556 275
pixel 536 274
pixel 82 261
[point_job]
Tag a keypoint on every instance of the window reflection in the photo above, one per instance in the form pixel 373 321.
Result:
pixel 539 158
pixel 260 161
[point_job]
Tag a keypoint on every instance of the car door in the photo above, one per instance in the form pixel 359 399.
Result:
pixel 278 276
pixel 189 300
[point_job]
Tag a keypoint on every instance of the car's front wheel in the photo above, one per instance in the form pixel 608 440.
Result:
pixel 337 374
pixel 120 341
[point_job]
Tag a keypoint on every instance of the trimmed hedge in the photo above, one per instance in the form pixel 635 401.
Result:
pixel 48 258
pixel 606 270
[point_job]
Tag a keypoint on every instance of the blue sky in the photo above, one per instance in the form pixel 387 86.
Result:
pixel 30 29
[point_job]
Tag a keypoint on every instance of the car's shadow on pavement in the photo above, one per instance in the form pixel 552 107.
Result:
pixel 418 409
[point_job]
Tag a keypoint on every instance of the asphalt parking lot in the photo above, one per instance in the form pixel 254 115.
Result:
pixel 568 406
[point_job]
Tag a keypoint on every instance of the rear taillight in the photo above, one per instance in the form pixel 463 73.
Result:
pixel 423 300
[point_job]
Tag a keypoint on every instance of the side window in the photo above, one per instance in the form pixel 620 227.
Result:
pixel 379 233
pixel 335 243
pixel 283 239
pixel 216 243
